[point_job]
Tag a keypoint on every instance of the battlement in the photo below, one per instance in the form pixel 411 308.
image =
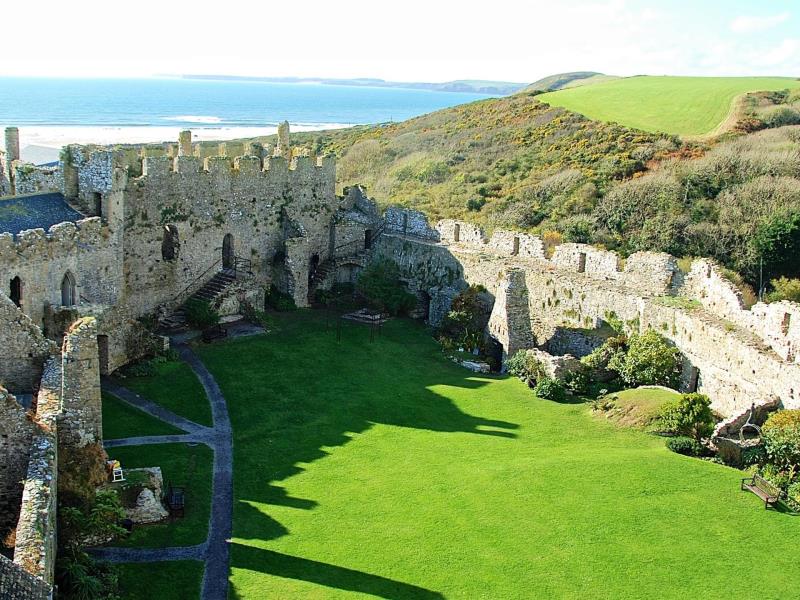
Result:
pixel 242 166
pixel 56 241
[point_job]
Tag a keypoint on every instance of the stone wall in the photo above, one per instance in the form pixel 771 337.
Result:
pixel 80 420
pixel 16 433
pixel 23 348
pixel 735 356
pixel 35 548
pixel 403 221
pixel 30 179
pixel 85 249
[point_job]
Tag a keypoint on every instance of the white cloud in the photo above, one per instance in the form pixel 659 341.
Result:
pixel 753 24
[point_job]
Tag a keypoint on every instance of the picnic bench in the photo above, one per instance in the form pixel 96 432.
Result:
pixel 762 488
pixel 175 499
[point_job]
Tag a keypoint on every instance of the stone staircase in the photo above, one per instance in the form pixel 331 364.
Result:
pixel 209 292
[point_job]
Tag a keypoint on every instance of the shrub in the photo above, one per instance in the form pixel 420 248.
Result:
pixel 526 366
pixel 599 358
pixel 776 475
pixel 650 360
pixel 755 455
pixel 475 204
pixel 577 382
pixel 793 495
pixel 201 314
pixel 279 301
pixel 550 389
pixel 781 433
pixel 685 445
pixel 689 416
pixel 380 284
pixel 784 289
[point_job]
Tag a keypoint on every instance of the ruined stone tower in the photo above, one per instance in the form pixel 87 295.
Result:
pixel 283 148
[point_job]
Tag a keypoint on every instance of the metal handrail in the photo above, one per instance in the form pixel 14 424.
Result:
pixel 194 281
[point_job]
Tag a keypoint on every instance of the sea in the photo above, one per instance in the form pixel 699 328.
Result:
pixel 53 112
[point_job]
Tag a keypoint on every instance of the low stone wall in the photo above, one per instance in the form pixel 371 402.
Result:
pixel 736 361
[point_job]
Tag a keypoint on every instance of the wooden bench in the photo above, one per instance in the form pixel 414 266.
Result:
pixel 214 333
pixel 762 488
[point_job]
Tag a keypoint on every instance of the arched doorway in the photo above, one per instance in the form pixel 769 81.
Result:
pixel 69 290
pixel 228 255
pixel 16 291
pixel 313 265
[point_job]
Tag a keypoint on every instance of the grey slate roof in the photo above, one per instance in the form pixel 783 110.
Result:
pixel 18 213
pixel 18 584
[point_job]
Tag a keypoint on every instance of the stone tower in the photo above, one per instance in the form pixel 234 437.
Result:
pixel 283 148
pixel 185 143
pixel 12 144
pixel 81 419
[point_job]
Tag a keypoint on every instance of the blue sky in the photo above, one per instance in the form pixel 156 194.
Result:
pixel 422 40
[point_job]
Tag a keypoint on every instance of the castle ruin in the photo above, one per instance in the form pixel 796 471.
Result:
pixel 117 238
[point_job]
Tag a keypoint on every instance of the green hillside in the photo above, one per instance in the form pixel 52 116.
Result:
pixel 562 81
pixel 518 163
pixel 687 106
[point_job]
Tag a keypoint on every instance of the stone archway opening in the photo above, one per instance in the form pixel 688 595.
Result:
pixel 228 253
pixel 170 243
pixel 16 291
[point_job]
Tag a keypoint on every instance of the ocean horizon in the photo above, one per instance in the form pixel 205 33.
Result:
pixel 55 112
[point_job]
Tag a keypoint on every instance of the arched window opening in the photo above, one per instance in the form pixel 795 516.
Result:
pixel 170 243
pixel 16 291
pixel 69 290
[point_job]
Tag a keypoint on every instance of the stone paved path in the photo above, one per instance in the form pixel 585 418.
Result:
pixel 215 550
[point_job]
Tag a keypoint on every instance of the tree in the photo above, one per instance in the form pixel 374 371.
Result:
pixel 778 243
pixel 380 284
pixel 650 360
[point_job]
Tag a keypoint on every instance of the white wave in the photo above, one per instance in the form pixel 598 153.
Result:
pixel 194 119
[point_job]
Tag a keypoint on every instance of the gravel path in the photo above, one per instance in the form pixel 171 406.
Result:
pixel 215 550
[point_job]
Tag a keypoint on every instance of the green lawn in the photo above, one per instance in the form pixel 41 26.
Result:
pixel 175 388
pixel 179 579
pixel 120 420
pixel 690 106
pixel 383 469
pixel 183 465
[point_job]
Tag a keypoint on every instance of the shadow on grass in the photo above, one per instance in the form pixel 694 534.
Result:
pixel 293 393
pixel 293 567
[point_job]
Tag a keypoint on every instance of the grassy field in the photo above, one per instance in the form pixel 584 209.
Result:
pixel 177 389
pixel 687 106
pixel 121 420
pixel 382 469
pixel 179 579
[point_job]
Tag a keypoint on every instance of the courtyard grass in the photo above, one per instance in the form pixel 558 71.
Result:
pixel 383 469
pixel 182 465
pixel 176 388
pixel 692 106
pixel 176 579
pixel 120 420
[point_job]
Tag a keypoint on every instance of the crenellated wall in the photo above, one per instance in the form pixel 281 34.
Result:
pixel 85 249
pixel 734 355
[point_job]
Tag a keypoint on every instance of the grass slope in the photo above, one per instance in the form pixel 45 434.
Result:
pixel 381 469
pixel 688 106
pixel 568 80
